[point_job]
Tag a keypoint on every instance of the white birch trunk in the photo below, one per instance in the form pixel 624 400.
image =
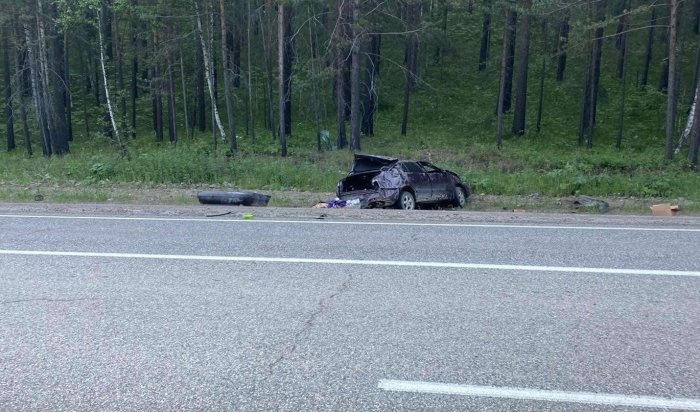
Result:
pixel 207 70
pixel 104 79
pixel 689 123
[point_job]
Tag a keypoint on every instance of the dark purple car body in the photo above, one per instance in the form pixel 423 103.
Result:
pixel 380 181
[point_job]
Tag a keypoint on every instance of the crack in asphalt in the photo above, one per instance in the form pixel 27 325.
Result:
pixel 323 305
pixel 8 302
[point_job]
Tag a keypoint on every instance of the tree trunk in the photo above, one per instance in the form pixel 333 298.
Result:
pixel 288 60
pixel 340 54
pixel 20 69
pixel 86 76
pixel 510 49
pixel 134 86
pixel 562 45
pixel 106 24
pixel 671 97
pixel 250 119
pixel 208 70
pixel 121 147
pixel 36 95
pixel 543 63
pixel 268 47
pixel 281 46
pixel 156 88
pixel 443 27
pixel 650 46
pixel 355 79
pixel 521 85
pixel 172 124
pixel 314 76
pixel 226 66
pixel 622 42
pixel 622 74
pixel 201 116
pixel 9 116
pixel 595 81
pixel 507 32
pixel 372 71
pixel 411 59
pixel 58 88
pixel 485 41
pixel 67 95
pixel 695 132
pixel 186 116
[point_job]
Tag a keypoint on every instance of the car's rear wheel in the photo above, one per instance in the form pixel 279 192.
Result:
pixel 460 197
pixel 406 200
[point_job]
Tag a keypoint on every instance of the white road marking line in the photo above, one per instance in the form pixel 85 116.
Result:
pixel 541 395
pixel 449 265
pixel 358 223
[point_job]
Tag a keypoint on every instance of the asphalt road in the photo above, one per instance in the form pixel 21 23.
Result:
pixel 223 314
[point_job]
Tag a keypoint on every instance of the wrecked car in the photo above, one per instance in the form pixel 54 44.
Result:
pixel 380 181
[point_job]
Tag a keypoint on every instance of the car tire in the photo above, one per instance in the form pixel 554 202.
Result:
pixel 460 197
pixel 406 200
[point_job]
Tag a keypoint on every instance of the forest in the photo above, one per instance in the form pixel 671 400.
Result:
pixel 553 97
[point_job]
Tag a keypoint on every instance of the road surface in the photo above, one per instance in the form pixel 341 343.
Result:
pixel 144 313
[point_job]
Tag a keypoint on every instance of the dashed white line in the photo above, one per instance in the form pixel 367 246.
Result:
pixel 404 263
pixel 358 223
pixel 541 395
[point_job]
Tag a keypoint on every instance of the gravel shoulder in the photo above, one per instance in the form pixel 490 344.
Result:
pixel 465 216
pixel 181 201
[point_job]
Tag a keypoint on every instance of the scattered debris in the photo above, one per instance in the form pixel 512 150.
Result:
pixel 233 198
pixel 519 210
pixel 220 214
pixel 590 203
pixel 664 209
pixel 247 216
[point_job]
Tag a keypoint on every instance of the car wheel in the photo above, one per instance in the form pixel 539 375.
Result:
pixel 406 200
pixel 460 197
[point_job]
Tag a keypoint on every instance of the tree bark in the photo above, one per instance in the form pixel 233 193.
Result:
pixel 268 47
pixel 485 41
pixel 201 114
pixel 562 45
pixel 671 96
pixel 39 107
pixel 58 87
pixel 521 85
pixel 288 60
pixel 411 59
pixel 649 49
pixel 372 72
pixel 501 89
pixel 156 89
pixel 226 66
pixel 251 112
pixel 512 18
pixel 20 69
pixel 208 70
pixel 543 63
pixel 67 95
pixel 281 37
pixel 121 147
pixel 340 54
pixel 355 79
pixel 9 116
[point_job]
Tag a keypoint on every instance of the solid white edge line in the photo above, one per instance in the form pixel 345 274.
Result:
pixel 448 265
pixel 331 222
pixel 540 395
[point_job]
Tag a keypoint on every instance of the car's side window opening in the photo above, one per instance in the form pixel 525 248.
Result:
pixel 412 167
